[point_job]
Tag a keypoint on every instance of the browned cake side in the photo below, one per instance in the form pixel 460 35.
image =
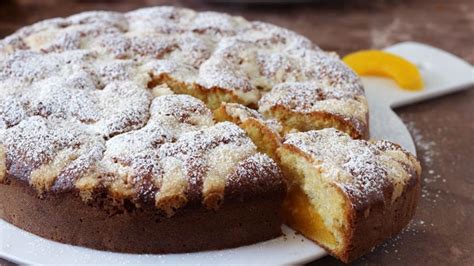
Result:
pixel 65 218
pixel 371 228
pixel 348 195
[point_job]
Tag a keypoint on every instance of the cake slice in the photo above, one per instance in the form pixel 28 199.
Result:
pixel 347 195
pixel 264 133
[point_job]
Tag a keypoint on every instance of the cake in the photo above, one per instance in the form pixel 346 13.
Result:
pixel 162 130
pixel 265 133
pixel 347 195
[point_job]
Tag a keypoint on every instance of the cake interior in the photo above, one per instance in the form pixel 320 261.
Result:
pixel 267 142
pixel 260 137
pixel 314 207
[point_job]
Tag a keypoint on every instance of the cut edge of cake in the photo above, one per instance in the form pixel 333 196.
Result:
pixel 263 133
pixel 337 210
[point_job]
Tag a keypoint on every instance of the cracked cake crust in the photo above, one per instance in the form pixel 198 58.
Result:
pixel 84 102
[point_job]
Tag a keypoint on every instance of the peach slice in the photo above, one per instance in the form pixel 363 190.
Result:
pixel 380 63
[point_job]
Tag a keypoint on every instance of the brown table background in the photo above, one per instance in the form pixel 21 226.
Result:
pixel 442 231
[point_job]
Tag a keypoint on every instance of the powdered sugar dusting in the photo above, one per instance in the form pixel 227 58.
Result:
pixel 308 97
pixel 34 142
pixel 258 163
pixel 84 84
pixel 431 177
pixel 209 49
pixel 242 113
pixel 363 169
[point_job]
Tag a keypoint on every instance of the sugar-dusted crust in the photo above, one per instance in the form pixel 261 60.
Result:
pixel 378 182
pixel 212 56
pixel 306 106
pixel 265 133
pixel 365 170
pixel 83 101
pixel 179 156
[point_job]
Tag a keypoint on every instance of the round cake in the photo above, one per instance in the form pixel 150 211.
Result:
pixel 156 130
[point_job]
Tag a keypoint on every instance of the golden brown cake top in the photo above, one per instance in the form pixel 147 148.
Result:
pixel 363 169
pixel 205 48
pixel 309 97
pixel 79 108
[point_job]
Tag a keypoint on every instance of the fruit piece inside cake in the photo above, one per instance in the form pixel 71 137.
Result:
pixel 347 195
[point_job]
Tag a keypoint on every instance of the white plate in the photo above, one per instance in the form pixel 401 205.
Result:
pixel 442 73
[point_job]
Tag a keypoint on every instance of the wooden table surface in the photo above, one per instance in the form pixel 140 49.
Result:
pixel 442 231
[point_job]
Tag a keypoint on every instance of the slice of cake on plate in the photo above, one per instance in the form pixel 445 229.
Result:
pixel 347 195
